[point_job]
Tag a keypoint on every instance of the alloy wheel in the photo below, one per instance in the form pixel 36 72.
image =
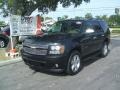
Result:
pixel 75 63
pixel 2 43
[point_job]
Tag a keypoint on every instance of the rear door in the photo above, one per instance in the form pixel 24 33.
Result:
pixel 98 35
pixel 88 41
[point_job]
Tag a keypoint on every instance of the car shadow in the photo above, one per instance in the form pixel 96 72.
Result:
pixel 61 72
pixel 115 43
pixel 49 71
pixel 91 60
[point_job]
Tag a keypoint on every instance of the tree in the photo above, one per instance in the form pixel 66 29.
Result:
pixel 26 7
pixel 48 18
pixel 88 16
pixel 98 17
pixel 78 18
pixel 63 17
pixel 104 17
pixel 117 11
pixel 2 23
pixel 114 20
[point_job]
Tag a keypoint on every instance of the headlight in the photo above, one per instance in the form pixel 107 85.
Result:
pixel 56 49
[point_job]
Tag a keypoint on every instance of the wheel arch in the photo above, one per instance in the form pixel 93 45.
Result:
pixel 107 40
pixel 75 49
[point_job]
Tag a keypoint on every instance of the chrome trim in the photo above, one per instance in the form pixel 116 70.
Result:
pixel 36 46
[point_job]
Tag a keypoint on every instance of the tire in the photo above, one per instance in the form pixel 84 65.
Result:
pixel 105 50
pixel 2 43
pixel 74 64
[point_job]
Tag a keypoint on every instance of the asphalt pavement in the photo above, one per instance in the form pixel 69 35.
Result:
pixel 98 74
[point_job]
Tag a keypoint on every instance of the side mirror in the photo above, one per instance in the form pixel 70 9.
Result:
pixel 89 31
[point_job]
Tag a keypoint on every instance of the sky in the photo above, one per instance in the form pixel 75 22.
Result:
pixel 95 7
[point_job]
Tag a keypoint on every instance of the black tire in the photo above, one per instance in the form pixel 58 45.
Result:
pixel 2 43
pixel 104 50
pixel 74 69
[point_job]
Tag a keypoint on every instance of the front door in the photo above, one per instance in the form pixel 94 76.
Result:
pixel 88 40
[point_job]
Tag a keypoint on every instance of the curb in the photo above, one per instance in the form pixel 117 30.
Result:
pixel 4 63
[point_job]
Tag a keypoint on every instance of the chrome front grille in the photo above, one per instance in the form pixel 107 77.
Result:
pixel 34 50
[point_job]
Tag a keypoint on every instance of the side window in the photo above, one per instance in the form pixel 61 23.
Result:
pixel 64 27
pixel 88 25
pixel 72 27
pixel 104 25
pixel 76 26
pixel 97 27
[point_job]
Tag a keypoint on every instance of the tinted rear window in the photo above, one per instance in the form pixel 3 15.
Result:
pixel 104 25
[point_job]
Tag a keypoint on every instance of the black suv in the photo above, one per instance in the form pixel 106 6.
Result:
pixel 66 44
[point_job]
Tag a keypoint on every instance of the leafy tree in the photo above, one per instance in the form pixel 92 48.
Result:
pixel 2 23
pixel 114 20
pixel 26 7
pixel 98 17
pixel 78 18
pixel 117 11
pixel 63 17
pixel 104 17
pixel 88 16
pixel 48 18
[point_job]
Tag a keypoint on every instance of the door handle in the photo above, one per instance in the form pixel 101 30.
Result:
pixel 103 35
pixel 94 37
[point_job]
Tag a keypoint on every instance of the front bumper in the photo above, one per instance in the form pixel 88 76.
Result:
pixel 45 61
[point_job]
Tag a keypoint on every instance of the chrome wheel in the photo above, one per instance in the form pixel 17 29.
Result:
pixel 2 43
pixel 105 50
pixel 75 63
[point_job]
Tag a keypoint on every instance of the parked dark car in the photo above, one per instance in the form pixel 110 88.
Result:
pixel 4 36
pixel 6 30
pixel 67 44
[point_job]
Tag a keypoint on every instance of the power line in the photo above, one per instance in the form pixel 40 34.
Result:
pixel 97 8
pixel 84 10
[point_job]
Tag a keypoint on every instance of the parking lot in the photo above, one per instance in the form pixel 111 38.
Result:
pixel 98 74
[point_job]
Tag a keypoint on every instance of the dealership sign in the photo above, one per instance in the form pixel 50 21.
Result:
pixel 23 25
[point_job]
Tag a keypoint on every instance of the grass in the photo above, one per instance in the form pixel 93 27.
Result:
pixel 115 30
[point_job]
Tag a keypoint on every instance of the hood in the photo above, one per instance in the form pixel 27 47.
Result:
pixel 53 37
pixel 46 39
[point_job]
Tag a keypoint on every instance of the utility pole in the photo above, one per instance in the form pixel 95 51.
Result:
pixel 117 11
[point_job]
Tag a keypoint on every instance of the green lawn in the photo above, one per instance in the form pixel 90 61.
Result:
pixel 115 30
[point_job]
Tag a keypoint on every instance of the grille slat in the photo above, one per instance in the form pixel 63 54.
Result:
pixel 35 51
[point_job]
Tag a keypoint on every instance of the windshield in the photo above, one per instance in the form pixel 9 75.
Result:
pixel 66 27
pixel 55 27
